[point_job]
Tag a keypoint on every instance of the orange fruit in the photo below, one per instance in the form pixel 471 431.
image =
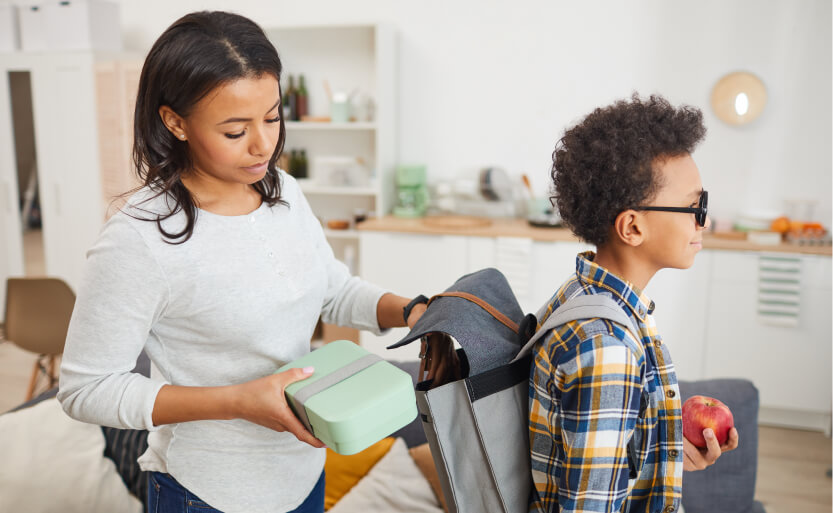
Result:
pixel 780 225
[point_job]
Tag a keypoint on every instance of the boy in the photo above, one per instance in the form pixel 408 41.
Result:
pixel 605 428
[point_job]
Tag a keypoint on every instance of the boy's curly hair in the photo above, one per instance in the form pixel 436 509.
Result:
pixel 605 164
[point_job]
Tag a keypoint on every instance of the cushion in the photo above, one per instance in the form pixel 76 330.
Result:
pixel 394 485
pixel 50 459
pixel 49 394
pixel 124 446
pixel 343 472
pixel 423 459
pixel 729 484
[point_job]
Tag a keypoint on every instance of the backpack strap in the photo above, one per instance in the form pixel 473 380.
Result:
pixel 506 321
pixel 586 306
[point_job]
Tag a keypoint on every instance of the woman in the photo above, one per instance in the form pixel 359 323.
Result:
pixel 218 269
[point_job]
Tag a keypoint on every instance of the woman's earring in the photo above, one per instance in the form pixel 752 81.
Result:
pixel 182 136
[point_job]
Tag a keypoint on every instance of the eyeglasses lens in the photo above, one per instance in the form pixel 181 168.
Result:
pixel 704 208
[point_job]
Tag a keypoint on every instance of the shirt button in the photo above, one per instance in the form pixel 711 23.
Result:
pixel 271 255
pixel 673 453
pixel 671 394
pixel 252 219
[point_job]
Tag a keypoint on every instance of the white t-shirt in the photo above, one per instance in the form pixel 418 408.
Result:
pixel 236 301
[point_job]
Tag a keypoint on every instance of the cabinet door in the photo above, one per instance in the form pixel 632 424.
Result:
pixel 790 365
pixel 681 296
pixel 11 250
pixel 64 109
pixel 552 264
pixel 408 265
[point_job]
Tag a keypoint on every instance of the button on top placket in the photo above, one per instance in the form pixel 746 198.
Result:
pixel 261 238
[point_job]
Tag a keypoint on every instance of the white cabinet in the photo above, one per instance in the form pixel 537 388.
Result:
pixel 409 265
pixel 552 263
pixel 790 365
pixel 681 297
pixel 66 141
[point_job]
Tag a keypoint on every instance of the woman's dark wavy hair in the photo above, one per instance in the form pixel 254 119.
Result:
pixel 195 55
pixel 606 164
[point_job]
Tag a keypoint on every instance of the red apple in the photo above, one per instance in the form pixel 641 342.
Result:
pixel 701 412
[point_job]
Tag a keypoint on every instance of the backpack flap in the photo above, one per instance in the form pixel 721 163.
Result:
pixel 488 336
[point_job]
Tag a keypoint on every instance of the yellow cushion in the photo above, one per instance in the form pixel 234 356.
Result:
pixel 343 472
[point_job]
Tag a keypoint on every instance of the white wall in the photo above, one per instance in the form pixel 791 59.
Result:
pixel 491 82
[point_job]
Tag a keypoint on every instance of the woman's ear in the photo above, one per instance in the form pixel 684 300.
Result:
pixel 629 227
pixel 173 121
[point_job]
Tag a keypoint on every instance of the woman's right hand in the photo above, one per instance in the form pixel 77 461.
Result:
pixel 262 401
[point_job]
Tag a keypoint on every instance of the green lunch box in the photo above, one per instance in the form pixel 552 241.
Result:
pixel 353 399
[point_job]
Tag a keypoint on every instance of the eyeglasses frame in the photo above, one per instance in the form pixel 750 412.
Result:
pixel 700 212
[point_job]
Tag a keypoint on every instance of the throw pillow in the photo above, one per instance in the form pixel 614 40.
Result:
pixel 51 462
pixel 343 472
pixel 124 446
pixel 393 485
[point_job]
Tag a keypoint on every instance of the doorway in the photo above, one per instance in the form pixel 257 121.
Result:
pixel 20 88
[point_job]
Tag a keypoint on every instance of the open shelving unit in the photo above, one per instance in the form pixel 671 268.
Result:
pixel 357 59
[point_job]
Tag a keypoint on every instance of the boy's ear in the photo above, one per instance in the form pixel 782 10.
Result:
pixel 173 121
pixel 629 228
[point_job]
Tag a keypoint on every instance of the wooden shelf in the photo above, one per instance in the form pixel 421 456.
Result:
pixel 341 234
pixel 322 126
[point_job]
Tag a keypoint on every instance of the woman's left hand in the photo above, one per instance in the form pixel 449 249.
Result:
pixel 695 458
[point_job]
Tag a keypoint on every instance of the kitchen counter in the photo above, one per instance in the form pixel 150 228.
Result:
pixel 476 227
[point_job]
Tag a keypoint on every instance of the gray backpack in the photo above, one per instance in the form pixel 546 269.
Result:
pixel 477 427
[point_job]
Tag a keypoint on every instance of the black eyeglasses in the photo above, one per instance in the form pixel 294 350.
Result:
pixel 699 212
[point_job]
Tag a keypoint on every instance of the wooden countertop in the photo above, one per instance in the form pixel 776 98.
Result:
pixel 477 227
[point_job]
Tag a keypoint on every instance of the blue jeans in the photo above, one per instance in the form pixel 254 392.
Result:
pixel 166 495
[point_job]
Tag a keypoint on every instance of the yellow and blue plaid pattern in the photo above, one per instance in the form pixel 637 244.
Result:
pixel 605 414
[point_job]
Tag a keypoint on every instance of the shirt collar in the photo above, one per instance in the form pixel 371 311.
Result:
pixel 594 274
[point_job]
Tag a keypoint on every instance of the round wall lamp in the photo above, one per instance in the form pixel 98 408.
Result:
pixel 738 98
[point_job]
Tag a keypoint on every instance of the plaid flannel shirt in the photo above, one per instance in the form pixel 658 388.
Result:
pixel 605 414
